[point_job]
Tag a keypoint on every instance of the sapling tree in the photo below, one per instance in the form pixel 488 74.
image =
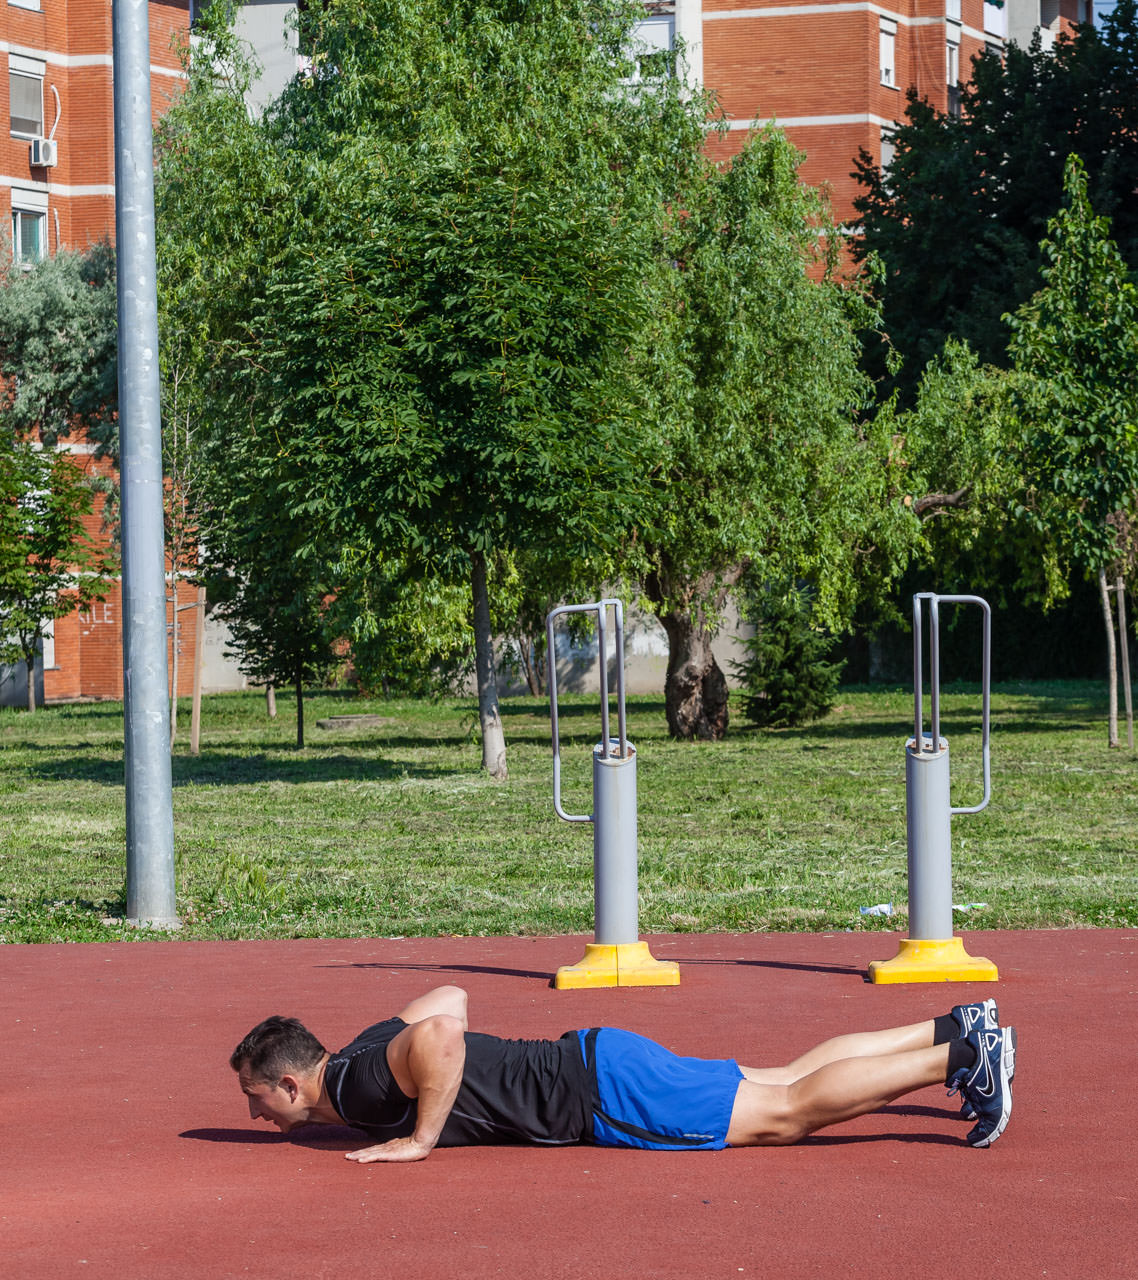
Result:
pixel 1074 347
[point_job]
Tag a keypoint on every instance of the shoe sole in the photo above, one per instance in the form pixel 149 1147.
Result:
pixel 1007 1075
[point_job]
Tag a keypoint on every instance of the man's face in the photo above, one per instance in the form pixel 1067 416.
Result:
pixel 280 1104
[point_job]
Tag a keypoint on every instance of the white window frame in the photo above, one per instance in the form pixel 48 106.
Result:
pixel 996 20
pixel 28 204
pixel 29 69
pixel 34 5
pixel 887 52
pixel 656 34
pixel 952 62
pixel 952 10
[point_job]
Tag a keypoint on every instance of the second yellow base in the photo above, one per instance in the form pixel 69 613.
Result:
pixel 933 960
pixel 628 964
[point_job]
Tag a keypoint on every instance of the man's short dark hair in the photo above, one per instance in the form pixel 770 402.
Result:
pixel 276 1047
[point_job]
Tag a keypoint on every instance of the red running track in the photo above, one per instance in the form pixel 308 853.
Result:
pixel 127 1150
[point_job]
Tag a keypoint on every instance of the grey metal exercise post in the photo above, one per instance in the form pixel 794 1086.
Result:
pixel 616 957
pixel 931 953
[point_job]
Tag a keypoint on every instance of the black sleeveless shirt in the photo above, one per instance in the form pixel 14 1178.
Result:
pixel 529 1091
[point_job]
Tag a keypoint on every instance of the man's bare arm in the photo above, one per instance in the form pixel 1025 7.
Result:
pixel 426 1060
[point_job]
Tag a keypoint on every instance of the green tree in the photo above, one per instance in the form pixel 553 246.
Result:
pixel 958 218
pixel 430 343
pixel 787 677
pixel 271 594
pixel 58 347
pixel 761 458
pixel 49 563
pixel 1074 347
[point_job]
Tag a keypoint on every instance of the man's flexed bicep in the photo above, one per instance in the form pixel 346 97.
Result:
pixel 427 1060
pixel 448 1000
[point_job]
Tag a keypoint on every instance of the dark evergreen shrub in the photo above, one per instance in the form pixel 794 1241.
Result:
pixel 786 678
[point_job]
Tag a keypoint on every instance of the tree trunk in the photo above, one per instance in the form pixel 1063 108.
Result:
pixel 30 663
pixel 299 707
pixel 695 689
pixel 199 656
pixel 1124 659
pixel 1112 662
pixel 493 739
pixel 531 665
pixel 174 663
pixel 695 692
pixel 271 701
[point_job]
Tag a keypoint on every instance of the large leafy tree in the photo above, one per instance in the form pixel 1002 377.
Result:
pixel 58 347
pixel 427 341
pixel 1075 348
pixel 57 378
pixel 761 459
pixel 958 217
pixel 49 562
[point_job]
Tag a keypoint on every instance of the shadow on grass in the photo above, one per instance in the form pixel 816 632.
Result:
pixel 212 769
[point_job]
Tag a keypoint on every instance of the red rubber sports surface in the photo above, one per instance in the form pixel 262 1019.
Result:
pixel 127 1149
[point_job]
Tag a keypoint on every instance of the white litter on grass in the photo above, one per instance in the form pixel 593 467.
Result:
pixel 881 909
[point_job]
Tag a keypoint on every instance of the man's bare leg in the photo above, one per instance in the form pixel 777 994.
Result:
pixel 864 1044
pixel 777 1114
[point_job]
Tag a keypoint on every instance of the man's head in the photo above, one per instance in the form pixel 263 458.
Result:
pixel 278 1064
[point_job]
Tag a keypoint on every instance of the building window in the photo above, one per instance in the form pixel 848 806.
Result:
pixel 26 97
pixel 29 235
pixel 952 76
pixel 650 47
pixel 995 20
pixel 887 52
pixel 952 10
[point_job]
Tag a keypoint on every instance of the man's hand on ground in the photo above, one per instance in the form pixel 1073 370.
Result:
pixel 396 1151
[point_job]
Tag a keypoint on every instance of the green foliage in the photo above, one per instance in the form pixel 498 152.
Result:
pixel 1075 349
pixel 246 882
pixel 58 347
pixel 418 278
pixel 760 454
pixel 49 564
pixel 958 218
pixel 787 678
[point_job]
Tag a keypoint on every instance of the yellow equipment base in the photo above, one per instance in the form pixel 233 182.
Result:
pixel 628 964
pixel 924 960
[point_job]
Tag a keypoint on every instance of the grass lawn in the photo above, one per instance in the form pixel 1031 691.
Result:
pixel 392 829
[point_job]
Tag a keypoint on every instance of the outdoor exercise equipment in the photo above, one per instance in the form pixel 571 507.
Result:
pixel 931 953
pixel 616 957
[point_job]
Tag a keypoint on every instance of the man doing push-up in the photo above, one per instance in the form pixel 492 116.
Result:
pixel 422 1080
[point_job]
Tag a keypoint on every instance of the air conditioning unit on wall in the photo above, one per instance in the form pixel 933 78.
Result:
pixel 44 153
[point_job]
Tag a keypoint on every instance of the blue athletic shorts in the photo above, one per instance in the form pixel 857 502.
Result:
pixel 645 1096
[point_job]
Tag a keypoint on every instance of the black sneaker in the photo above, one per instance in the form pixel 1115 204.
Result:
pixel 968 1017
pixel 987 1084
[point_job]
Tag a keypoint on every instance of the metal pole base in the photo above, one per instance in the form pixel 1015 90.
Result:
pixel 627 964
pixel 936 960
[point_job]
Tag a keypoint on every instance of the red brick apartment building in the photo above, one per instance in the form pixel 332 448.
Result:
pixel 57 174
pixel 832 73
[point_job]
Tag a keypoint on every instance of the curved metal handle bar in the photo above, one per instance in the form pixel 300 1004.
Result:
pixel 935 601
pixel 599 607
